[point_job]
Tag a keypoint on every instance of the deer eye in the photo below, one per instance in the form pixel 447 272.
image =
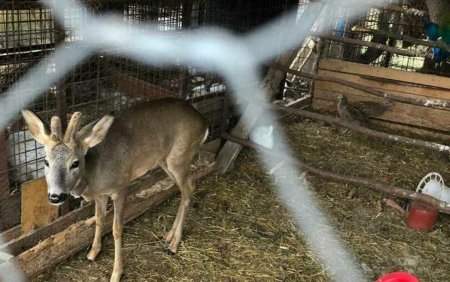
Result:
pixel 46 163
pixel 75 164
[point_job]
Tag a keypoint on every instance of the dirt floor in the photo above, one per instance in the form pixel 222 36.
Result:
pixel 238 230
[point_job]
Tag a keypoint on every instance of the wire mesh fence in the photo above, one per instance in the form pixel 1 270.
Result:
pixel 389 26
pixel 306 213
pixel 107 80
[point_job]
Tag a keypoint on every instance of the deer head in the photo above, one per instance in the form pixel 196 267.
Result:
pixel 65 155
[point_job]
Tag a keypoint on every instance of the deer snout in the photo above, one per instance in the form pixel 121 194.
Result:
pixel 57 199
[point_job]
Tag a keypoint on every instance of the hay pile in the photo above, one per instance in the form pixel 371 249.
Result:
pixel 238 230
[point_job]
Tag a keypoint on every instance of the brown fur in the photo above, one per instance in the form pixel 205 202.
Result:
pixel 166 133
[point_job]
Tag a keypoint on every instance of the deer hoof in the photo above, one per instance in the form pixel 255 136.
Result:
pixel 169 252
pixel 173 246
pixel 116 275
pixel 93 254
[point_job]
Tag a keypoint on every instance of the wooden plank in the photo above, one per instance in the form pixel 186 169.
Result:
pixel 300 103
pixel 417 131
pixel 330 107
pixel 389 85
pixel 26 241
pixel 397 75
pixel 10 211
pixel 324 105
pixel 80 234
pixel 4 177
pixel 252 113
pixel 398 112
pixel 36 210
pixel 231 150
pixel 337 87
pixel 5 256
pixel 11 233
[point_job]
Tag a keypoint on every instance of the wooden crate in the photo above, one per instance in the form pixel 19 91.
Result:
pixel 418 119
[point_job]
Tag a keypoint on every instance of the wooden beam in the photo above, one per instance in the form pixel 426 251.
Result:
pixel 373 45
pixel 26 55
pixel 419 101
pixel 5 256
pixel 436 81
pixel 26 241
pixel 11 233
pixel 394 87
pixel 402 37
pixel 425 132
pixel 397 8
pixel 434 119
pixel 360 129
pixel 80 234
pixel 378 186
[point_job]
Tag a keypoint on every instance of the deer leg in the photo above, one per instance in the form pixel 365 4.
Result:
pixel 169 235
pixel 100 212
pixel 119 210
pixel 187 188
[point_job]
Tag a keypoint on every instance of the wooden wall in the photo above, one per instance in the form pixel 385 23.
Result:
pixel 422 120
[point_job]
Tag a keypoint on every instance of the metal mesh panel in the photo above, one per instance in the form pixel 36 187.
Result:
pixel 396 20
pixel 27 34
pixel 107 81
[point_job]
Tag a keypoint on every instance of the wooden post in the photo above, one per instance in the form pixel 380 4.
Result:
pixel 4 180
pixel 36 210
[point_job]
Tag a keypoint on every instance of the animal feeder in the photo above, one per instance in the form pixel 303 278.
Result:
pixel 433 184
pixel 422 217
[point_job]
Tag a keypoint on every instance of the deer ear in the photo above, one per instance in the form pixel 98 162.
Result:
pixel 36 127
pixel 94 133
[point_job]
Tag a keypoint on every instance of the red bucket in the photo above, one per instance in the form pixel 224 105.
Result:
pixel 398 277
pixel 421 217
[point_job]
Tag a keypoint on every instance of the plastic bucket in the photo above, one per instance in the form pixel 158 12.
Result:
pixel 398 277
pixel 421 217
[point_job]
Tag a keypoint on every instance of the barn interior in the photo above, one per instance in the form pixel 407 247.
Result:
pixel 362 165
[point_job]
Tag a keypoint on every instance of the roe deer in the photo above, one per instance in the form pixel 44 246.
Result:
pixel 105 156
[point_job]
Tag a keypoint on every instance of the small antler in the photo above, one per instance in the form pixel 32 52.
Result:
pixel 55 126
pixel 72 127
